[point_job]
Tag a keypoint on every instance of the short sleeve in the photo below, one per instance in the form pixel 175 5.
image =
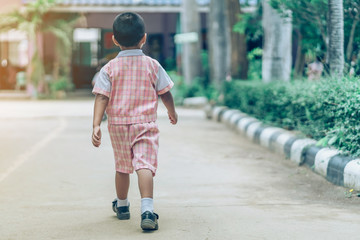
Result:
pixel 102 83
pixel 164 83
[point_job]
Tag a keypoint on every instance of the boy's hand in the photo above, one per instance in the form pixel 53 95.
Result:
pixel 168 101
pixel 96 136
pixel 173 117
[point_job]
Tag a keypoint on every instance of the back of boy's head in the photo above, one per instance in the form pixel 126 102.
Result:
pixel 128 29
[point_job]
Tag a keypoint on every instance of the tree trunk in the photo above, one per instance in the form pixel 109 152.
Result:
pixel 336 38
pixel 56 64
pixel 43 86
pixel 300 57
pixel 276 64
pixel 327 41
pixel 349 48
pixel 191 57
pixel 239 61
pixel 219 43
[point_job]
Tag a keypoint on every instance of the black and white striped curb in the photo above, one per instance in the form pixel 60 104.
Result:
pixel 337 168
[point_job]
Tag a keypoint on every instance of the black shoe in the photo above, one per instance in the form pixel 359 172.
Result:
pixel 149 221
pixel 122 213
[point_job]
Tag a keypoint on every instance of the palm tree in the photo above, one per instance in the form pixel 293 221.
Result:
pixel 190 22
pixel 219 47
pixel 276 64
pixel 35 20
pixel 239 61
pixel 336 37
pixel 352 10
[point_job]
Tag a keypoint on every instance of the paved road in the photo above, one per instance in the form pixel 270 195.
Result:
pixel 211 184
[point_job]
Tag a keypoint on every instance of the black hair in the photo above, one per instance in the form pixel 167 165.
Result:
pixel 128 29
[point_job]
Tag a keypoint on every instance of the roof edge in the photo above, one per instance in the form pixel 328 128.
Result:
pixel 122 8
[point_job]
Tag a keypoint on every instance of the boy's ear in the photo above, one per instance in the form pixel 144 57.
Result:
pixel 115 42
pixel 143 40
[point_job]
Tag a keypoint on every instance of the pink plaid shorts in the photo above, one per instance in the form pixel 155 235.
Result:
pixel 135 146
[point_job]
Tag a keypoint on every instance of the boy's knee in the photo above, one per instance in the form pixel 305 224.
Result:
pixel 145 171
pixel 122 174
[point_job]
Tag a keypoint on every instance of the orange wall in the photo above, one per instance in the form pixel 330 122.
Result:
pixel 6 5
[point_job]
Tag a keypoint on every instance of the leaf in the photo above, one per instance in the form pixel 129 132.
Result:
pixel 332 140
pixel 323 142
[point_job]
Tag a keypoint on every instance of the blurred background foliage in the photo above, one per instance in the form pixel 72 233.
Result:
pixel 35 19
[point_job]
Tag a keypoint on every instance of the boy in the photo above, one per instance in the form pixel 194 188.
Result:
pixel 128 88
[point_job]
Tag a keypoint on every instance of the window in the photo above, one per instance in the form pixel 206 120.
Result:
pixel 86 44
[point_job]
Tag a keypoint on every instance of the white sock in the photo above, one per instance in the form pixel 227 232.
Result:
pixel 122 203
pixel 147 204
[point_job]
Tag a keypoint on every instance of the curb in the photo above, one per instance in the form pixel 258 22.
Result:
pixel 14 95
pixel 330 163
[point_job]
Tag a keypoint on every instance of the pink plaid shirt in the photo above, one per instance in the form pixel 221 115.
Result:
pixel 132 81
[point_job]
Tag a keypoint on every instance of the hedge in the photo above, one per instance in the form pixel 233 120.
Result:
pixel 327 110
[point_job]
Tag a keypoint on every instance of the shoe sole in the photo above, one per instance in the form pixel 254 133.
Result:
pixel 123 216
pixel 148 224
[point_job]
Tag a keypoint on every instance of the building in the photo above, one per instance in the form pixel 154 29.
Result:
pixel 12 50
pixel 93 40
pixel 92 43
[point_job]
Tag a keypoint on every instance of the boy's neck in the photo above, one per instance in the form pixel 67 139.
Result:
pixel 130 48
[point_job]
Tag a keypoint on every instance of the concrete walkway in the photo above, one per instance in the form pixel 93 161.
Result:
pixel 211 183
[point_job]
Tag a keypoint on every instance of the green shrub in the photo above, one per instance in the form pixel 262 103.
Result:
pixel 328 110
pixel 196 89
pixel 63 83
pixel 255 63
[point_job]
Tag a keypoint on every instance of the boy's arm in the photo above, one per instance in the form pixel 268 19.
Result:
pixel 168 101
pixel 101 103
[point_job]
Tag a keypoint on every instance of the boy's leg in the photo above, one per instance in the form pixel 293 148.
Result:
pixel 121 204
pixel 146 185
pixel 119 135
pixel 122 183
pixel 145 137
